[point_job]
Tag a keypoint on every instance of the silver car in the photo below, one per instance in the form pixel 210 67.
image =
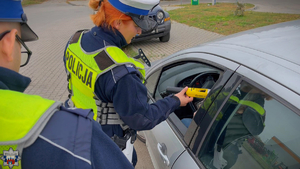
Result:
pixel 251 116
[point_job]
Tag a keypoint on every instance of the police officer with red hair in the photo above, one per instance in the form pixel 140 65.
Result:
pixel 103 78
pixel 37 132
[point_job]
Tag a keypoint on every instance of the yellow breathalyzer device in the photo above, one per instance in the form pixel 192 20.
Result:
pixel 197 92
pixel 191 92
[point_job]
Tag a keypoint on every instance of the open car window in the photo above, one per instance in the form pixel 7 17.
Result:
pixel 185 74
pixel 252 130
pixel 192 74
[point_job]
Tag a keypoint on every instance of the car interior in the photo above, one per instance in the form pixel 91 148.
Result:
pixel 191 74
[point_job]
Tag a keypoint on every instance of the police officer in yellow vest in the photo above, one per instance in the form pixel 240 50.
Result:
pixel 37 132
pixel 103 78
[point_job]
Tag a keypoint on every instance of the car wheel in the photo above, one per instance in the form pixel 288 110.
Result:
pixel 165 38
pixel 141 137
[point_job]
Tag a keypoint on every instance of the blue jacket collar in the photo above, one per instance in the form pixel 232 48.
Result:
pixel 12 80
pixel 114 38
pixel 97 36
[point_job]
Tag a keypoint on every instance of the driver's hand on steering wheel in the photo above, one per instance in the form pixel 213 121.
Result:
pixel 184 99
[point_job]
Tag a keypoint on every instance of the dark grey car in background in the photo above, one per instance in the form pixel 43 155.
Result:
pixel 251 116
pixel 163 29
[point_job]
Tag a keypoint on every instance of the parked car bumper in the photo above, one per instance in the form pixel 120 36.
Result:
pixel 160 31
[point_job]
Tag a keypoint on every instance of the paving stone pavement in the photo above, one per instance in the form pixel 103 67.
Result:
pixel 54 21
pixel 182 37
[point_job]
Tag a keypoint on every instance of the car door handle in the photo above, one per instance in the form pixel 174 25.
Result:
pixel 162 149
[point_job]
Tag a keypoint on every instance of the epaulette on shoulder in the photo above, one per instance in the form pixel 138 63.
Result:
pixel 76 36
pixel 121 71
pixel 130 68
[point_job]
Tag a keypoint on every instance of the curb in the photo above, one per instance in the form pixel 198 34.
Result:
pixel 77 3
pixel 252 9
pixel 68 2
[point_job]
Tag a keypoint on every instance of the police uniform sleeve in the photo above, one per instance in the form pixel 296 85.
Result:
pixel 130 101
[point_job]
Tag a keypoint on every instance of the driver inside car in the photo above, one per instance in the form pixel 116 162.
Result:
pixel 248 119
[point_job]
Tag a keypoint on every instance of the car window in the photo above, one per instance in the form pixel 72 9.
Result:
pixel 252 130
pixel 184 74
pixel 151 82
pixel 192 74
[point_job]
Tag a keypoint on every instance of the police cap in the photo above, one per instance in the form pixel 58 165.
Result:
pixel 12 11
pixel 138 10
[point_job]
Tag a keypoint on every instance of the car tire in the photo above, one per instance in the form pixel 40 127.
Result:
pixel 165 38
pixel 141 137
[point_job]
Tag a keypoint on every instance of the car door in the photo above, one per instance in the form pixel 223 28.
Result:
pixel 165 142
pixel 255 123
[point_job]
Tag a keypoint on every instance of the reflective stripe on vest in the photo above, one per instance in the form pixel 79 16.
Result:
pixel 22 118
pixel 85 68
pixel 222 95
pixel 233 99
pixel 253 105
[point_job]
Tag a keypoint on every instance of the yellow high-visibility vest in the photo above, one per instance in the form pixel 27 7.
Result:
pixel 22 118
pixel 85 68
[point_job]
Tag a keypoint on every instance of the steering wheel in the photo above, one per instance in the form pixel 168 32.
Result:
pixel 204 80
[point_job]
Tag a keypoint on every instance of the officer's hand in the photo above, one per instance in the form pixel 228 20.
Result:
pixel 184 99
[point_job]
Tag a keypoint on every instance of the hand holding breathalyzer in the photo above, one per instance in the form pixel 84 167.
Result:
pixel 184 99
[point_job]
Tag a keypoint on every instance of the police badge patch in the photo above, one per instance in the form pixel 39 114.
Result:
pixel 10 158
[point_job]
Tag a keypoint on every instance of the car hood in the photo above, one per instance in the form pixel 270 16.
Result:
pixel 154 11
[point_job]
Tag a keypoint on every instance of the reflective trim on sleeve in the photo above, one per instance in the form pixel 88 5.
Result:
pixel 62 148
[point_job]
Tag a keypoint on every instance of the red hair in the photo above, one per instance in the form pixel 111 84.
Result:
pixel 106 14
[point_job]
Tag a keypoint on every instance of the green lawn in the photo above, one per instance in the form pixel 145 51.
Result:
pixel 30 2
pixel 220 18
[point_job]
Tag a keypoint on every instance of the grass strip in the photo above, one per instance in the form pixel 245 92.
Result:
pixel 220 18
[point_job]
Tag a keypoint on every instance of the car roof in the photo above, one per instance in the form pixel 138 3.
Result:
pixel 280 40
pixel 273 51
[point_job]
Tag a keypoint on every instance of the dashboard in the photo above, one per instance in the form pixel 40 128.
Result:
pixel 200 81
